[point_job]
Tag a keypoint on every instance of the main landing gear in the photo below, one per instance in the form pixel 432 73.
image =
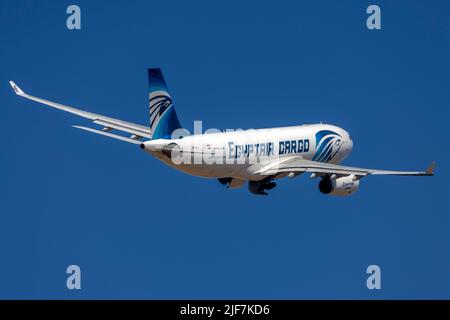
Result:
pixel 260 187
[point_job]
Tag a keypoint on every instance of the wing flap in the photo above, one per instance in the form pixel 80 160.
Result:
pixel 298 164
pixel 108 134
pixel 123 127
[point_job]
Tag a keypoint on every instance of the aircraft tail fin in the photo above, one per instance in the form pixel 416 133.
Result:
pixel 163 118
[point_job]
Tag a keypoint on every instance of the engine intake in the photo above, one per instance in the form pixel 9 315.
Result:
pixel 343 186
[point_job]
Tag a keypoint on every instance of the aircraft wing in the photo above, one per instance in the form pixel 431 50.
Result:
pixel 297 164
pixel 137 131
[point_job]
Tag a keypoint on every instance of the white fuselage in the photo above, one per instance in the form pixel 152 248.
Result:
pixel 240 154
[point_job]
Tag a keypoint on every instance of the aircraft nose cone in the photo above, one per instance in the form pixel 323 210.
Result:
pixel 350 143
pixel 346 137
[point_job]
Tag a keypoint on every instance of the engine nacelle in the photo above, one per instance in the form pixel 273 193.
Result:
pixel 343 186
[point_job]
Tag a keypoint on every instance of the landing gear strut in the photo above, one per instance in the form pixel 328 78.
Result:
pixel 260 187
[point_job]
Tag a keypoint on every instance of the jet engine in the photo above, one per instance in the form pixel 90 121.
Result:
pixel 343 186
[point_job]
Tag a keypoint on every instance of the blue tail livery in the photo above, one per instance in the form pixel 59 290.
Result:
pixel 163 118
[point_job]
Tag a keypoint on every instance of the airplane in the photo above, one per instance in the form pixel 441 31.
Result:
pixel 256 156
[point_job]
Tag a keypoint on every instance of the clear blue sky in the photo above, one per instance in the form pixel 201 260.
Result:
pixel 139 229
